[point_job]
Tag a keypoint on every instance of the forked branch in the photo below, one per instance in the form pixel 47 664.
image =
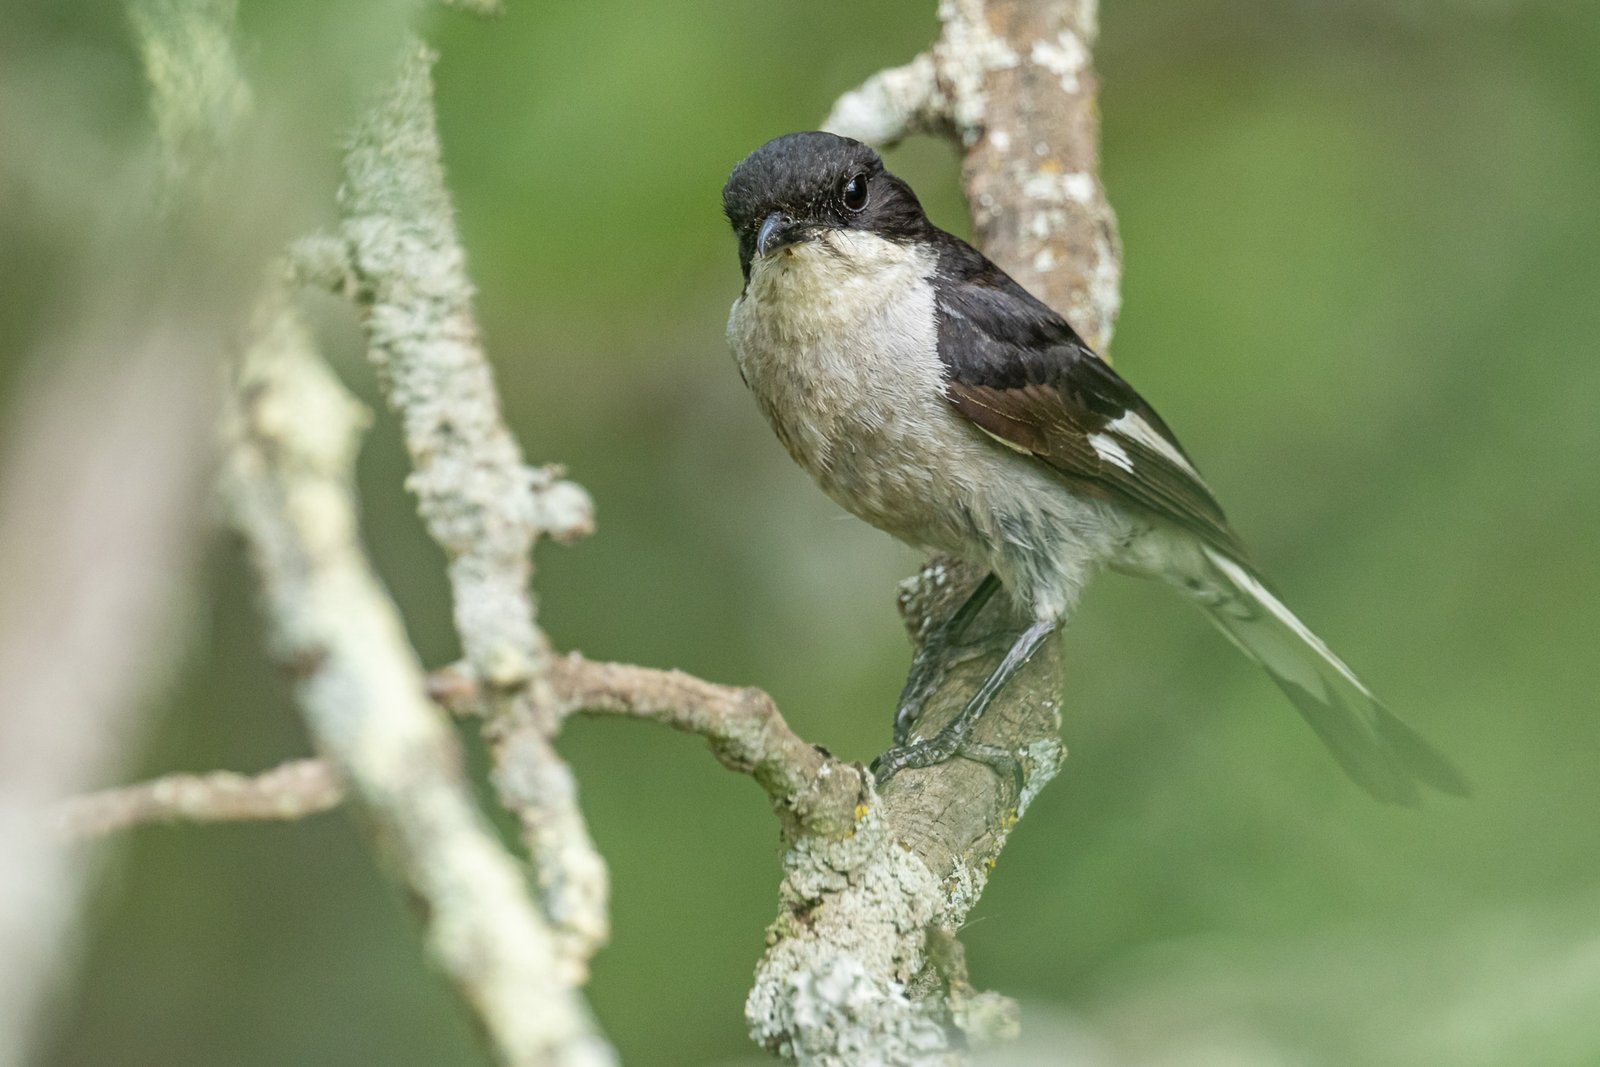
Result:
pixel 862 961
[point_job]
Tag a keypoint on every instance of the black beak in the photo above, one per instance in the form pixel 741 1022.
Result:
pixel 777 230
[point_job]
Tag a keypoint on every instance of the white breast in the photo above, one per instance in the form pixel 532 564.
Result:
pixel 838 340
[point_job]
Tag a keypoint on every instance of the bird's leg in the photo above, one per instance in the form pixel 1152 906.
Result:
pixel 929 664
pixel 954 739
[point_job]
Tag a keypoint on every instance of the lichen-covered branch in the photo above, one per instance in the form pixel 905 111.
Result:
pixel 472 487
pixel 1032 166
pixel 291 441
pixel 811 790
pixel 862 961
pixel 477 496
pixel 1013 81
pixel 858 957
pixel 198 94
pixel 291 790
pixel 892 104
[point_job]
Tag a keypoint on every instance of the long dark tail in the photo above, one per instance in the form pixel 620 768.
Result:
pixel 1376 748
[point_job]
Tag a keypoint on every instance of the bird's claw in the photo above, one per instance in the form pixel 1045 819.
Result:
pixel 948 744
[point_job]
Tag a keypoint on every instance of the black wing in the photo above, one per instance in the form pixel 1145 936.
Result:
pixel 1024 376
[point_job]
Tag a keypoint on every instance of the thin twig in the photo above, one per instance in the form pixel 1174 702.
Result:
pixel 745 731
pixel 893 104
pixel 811 790
pixel 288 791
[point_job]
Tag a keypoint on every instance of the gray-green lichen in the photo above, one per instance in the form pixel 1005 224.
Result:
pixel 291 440
pixel 832 989
pixel 874 913
pixel 476 494
pixel 198 95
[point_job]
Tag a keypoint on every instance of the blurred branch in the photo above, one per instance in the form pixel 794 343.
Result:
pixel 291 790
pixel 291 438
pixel 863 954
pixel 198 95
pixel 474 491
pixel 99 490
pixel 321 261
pixel 103 471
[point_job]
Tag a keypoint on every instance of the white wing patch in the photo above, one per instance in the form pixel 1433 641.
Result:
pixel 1108 449
pixel 1132 427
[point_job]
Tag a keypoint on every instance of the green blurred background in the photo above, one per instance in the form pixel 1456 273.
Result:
pixel 1362 280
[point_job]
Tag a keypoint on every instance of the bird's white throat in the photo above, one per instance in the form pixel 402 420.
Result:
pixel 839 279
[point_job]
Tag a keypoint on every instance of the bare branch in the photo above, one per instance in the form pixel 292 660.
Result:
pixel 808 787
pixel 292 437
pixel 477 496
pixel 812 791
pixel 290 790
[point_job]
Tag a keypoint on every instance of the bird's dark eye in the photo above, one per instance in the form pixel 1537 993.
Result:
pixel 854 193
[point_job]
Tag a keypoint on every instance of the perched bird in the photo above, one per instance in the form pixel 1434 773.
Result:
pixel 931 395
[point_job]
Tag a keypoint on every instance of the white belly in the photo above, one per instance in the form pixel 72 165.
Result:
pixel 839 345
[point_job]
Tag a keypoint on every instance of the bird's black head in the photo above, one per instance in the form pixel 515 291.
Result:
pixel 798 186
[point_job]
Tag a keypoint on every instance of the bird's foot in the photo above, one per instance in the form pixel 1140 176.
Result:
pixel 938 654
pixel 947 744
pixel 956 737
pixel 915 755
